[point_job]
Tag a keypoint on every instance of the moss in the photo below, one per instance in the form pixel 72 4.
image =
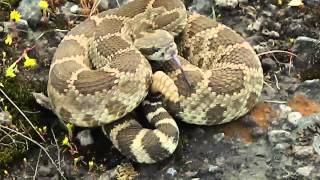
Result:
pixel 11 153
pixel 19 91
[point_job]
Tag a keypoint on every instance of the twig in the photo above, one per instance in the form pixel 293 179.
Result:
pixel 275 101
pixel 37 165
pixel 94 8
pixel 58 149
pixel 28 120
pixel 51 30
pixel 118 3
pixel 36 143
pixel 279 51
pixel 277 82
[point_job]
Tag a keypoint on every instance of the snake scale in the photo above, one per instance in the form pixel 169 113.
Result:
pixel 108 64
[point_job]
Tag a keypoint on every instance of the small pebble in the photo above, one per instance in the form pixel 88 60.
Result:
pixel 85 137
pixel 303 151
pixel 280 136
pixel 227 3
pixel 172 172
pixel 305 171
pixel 294 117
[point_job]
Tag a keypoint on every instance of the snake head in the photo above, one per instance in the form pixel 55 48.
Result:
pixel 156 45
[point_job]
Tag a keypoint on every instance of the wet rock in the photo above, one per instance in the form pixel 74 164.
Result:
pixel 280 136
pixel 203 7
pixel 294 118
pixel 85 137
pixel 31 12
pixel 305 171
pixel 308 63
pixel 227 3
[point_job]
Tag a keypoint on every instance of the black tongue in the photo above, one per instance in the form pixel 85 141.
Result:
pixel 176 60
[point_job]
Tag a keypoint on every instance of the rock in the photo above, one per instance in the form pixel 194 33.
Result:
pixel 255 25
pixel 70 8
pixel 213 168
pixel 311 3
pixel 227 3
pixel 310 88
pixel 316 144
pixel 294 118
pixel 284 111
pixel 172 172
pixel 268 65
pixel 31 12
pixel 308 63
pixel 5 118
pixel 103 5
pixel 203 7
pixel 305 171
pixel 218 137
pixel 303 151
pixel 85 137
pixel 44 171
pixel 280 136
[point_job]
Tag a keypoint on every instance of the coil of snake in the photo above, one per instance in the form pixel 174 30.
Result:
pixel 105 67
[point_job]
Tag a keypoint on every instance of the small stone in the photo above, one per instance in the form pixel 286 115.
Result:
pixel 305 171
pixel 75 9
pixel 44 171
pixel 308 63
pixel 227 3
pixel 316 144
pixel 294 118
pixel 103 5
pixel 303 151
pixel 5 118
pixel 203 7
pixel 268 65
pixel 85 137
pixel 280 136
pixel 213 168
pixel 172 172
pixel 31 12
pixel 218 137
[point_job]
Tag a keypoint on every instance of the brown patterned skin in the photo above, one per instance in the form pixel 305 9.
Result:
pixel 98 75
pixel 224 72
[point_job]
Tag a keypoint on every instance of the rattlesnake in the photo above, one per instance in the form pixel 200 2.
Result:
pixel 100 73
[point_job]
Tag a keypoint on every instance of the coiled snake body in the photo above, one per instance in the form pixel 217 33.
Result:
pixel 100 73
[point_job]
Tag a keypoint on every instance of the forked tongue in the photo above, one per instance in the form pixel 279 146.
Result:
pixel 176 60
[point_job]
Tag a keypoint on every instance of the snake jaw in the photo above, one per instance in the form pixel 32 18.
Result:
pixel 176 60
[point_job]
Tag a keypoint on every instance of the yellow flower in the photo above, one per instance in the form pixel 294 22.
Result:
pixel 91 163
pixel 65 141
pixel 15 16
pixel 30 62
pixel 43 4
pixel 8 40
pixel 10 70
pixel 70 127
